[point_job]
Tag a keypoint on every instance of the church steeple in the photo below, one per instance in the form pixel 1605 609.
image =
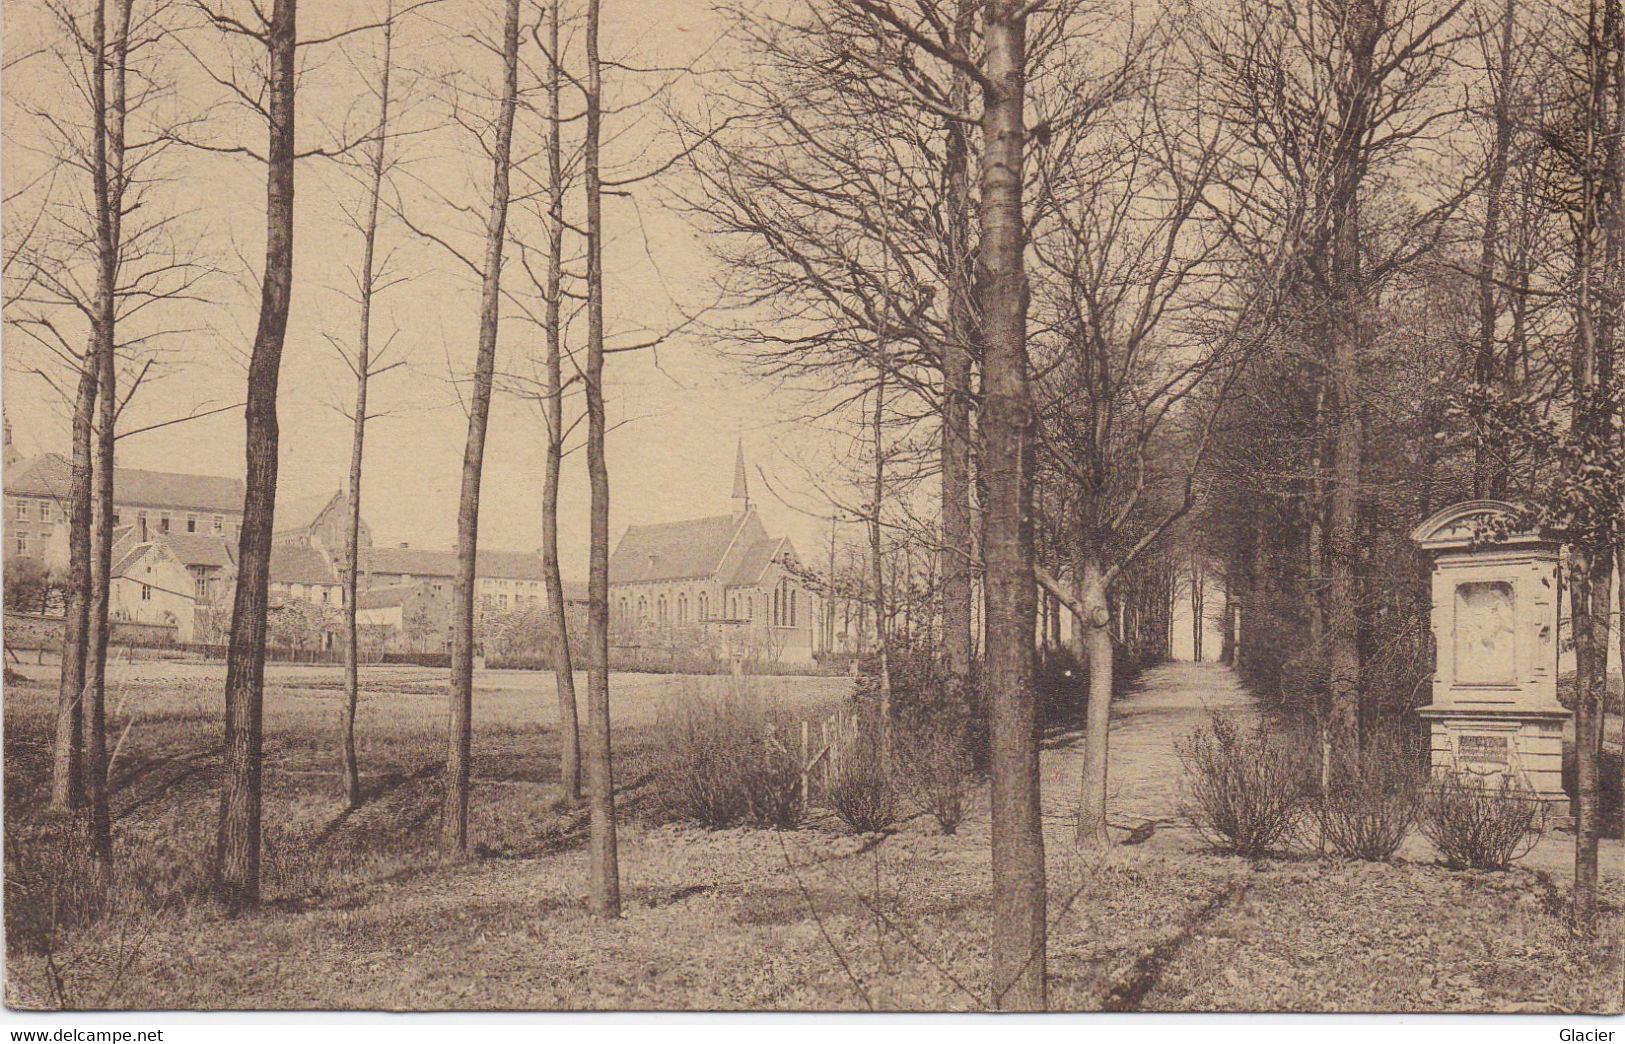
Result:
pixel 741 497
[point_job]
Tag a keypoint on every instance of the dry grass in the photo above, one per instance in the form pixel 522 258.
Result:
pixel 362 915
pixel 164 724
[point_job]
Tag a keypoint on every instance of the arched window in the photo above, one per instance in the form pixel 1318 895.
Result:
pixel 622 612
pixel 660 609
pixel 705 607
pixel 750 608
pixel 792 607
pixel 682 609
pixel 733 607
pixel 775 607
pixel 643 608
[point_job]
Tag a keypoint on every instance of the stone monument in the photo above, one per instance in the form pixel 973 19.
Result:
pixel 1495 605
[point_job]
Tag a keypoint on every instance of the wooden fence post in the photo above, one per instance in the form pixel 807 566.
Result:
pixel 829 752
pixel 806 770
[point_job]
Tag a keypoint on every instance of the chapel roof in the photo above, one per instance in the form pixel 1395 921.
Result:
pixel 755 560
pixel 674 550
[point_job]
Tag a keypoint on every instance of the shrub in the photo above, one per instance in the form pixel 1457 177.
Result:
pixel 773 788
pixel 861 792
pixel 1367 815
pixel 934 767
pixel 1478 825
pixel 720 767
pixel 1243 793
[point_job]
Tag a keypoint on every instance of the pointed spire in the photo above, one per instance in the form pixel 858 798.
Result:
pixel 741 495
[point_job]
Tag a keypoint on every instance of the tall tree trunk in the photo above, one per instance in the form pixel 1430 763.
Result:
pixel 1600 319
pixel 1018 944
pixel 110 239
pixel 237 846
pixel 67 783
pixel 460 732
pixel 1094 635
pixel 349 770
pixel 563 668
pixel 1198 609
pixel 67 764
pixel 605 899
pixel 96 754
pixel 1589 601
pixel 958 550
pixel 1346 330
pixel 1489 466
pixel 877 494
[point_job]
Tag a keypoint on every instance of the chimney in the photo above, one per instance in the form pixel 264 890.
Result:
pixel 141 528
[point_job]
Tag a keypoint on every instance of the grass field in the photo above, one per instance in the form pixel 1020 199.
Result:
pixel 361 913
pixel 164 728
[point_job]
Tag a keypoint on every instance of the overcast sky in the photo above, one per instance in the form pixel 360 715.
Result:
pixel 678 411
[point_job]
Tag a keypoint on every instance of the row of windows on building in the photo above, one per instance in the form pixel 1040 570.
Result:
pixel 194 523
pixel 26 510
pixel 786 608
pixel 23 510
pixel 499 602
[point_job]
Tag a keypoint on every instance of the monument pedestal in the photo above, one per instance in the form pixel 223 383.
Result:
pixel 1526 745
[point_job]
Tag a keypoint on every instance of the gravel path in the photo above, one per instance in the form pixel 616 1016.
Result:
pixel 1142 775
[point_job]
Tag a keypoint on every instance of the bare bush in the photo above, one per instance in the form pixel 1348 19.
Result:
pixel 1367 814
pixel 1242 792
pixel 862 792
pixel 933 767
pixel 1479 825
pixel 720 767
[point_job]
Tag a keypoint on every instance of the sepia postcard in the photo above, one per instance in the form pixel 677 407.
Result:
pixel 805 506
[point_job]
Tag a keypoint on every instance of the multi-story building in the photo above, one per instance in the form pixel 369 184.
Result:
pixel 153 503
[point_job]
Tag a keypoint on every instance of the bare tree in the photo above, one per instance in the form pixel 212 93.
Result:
pixel 1590 493
pixel 81 260
pixel 553 411
pixel 605 879
pixel 237 846
pixel 1148 338
pixel 958 553
pixel 112 68
pixel 1019 927
pixel 460 732
pixel 1490 474
pixel 364 364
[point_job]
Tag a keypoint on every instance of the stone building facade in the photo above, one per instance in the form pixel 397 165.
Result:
pixel 722 582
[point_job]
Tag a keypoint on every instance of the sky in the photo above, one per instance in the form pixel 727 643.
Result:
pixel 676 412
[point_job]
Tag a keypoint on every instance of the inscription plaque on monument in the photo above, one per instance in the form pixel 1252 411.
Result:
pixel 1483 749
